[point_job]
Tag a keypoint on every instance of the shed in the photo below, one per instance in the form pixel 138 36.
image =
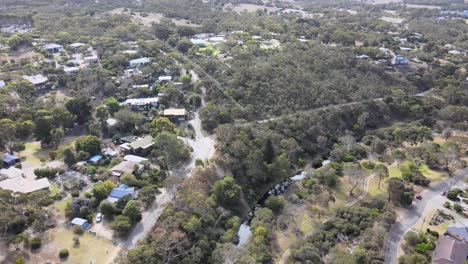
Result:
pixel 95 159
pixel 80 222
pixel 136 159
pixel 10 160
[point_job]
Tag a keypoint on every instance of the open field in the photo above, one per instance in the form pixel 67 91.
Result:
pixel 90 250
pixel 148 18
pixel 250 8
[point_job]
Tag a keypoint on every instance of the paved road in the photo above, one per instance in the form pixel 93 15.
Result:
pixel 203 148
pixel 413 214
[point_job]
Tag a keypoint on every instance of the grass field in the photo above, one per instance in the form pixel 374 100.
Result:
pixel 306 224
pixel 90 250
pixel 432 175
pixel 33 153
pixel 62 205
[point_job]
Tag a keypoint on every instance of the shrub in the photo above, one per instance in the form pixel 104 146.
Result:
pixel 47 172
pixel 368 164
pixel 19 260
pixel 63 253
pixel 75 193
pixel 349 158
pixel 36 243
pixel 78 230
pixel 447 205
pixel 458 208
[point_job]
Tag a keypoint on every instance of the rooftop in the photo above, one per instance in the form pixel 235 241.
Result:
pixel 24 186
pixel 36 79
pixel 125 166
pixel 165 78
pixel 9 157
pixel 11 173
pixel 140 101
pixel 78 221
pixel 143 143
pixel 139 61
pixel 450 250
pixel 52 46
pixel 136 159
pixel 175 112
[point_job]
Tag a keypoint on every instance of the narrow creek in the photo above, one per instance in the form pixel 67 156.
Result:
pixel 244 230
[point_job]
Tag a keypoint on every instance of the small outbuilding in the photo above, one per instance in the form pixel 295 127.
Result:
pixel 10 160
pixel 80 222
pixel 95 159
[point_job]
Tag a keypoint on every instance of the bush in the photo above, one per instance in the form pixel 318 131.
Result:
pixel 368 164
pixel 349 158
pixel 447 205
pixel 75 193
pixel 36 243
pixel 458 208
pixel 453 194
pixel 49 173
pixel 63 253
pixel 78 230
pixel 19 260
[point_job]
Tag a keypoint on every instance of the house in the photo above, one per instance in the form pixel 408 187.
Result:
pixel 458 231
pixel 94 159
pixel 10 160
pixel 120 192
pixel 80 222
pixel 139 62
pixel 454 52
pixel 362 57
pixel 132 72
pixel 111 122
pixel 141 86
pixel 175 114
pixel 70 70
pixel 141 104
pixel 126 166
pixel 76 45
pixel 165 79
pixel 11 173
pixel 22 185
pixel 109 152
pixel 39 81
pixel 400 60
pixel 2 83
pixel 198 42
pixel 142 145
pixel 450 251
pixel 136 159
pixel 53 48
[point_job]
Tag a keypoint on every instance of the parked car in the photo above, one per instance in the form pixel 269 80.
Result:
pixel 98 218
pixel 419 197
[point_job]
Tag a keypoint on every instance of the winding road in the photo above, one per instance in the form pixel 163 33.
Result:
pixel 411 216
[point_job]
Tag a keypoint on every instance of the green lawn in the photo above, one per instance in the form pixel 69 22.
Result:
pixel 54 189
pixel 33 153
pixel 394 171
pixel 62 205
pixel 430 174
pixel 306 224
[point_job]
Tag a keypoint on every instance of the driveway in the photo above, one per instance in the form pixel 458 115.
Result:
pixel 413 214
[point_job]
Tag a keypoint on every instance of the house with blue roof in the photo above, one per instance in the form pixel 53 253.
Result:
pixel 94 159
pixel 400 60
pixel 80 222
pixel 10 160
pixel 120 192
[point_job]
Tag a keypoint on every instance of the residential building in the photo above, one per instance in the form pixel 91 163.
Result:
pixel 458 231
pixel 139 62
pixel 400 60
pixel 134 158
pixel 450 251
pixel 111 122
pixel 362 57
pixel 176 114
pixel 198 42
pixel 94 159
pixel 70 70
pixel 76 45
pixel 120 192
pixel 80 222
pixel 164 79
pixel 22 185
pixel 10 160
pixel 2 83
pixel 11 173
pixel 38 81
pixel 141 104
pixel 143 145
pixel 53 48
pixel 126 166
pixel 132 72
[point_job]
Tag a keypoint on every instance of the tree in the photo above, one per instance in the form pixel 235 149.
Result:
pixel 147 195
pixel 132 211
pixel 112 105
pixel 101 190
pixel 185 79
pixel 89 144
pixel 275 203
pixel 170 147
pixel 122 224
pixel 80 108
pixel 161 124
pixel 7 133
pixel 36 243
pixel 24 129
pixel 63 253
pixel 399 156
pixel 69 157
pixel 381 171
pixel 102 113
pixel 107 208
pixel 57 135
pixel 355 174
pixel 44 125
pixel 447 133
pixel 184 45
pixel 227 192
pixel 399 193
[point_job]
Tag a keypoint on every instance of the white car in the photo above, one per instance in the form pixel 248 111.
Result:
pixel 98 218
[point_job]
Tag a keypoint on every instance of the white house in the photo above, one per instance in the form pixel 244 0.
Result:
pixel 53 48
pixel 139 62
pixel 132 72
pixel 39 81
pixel 141 104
